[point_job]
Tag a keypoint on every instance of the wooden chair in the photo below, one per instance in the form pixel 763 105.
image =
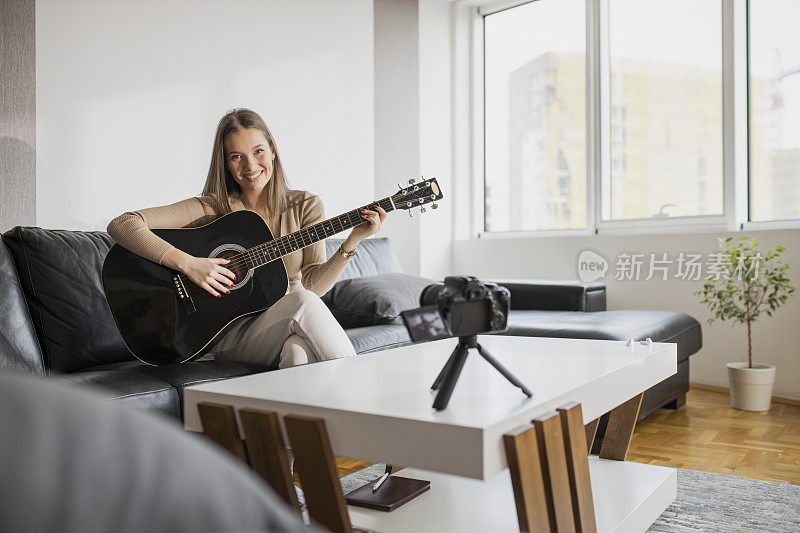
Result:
pixel 264 450
pixel 549 465
pixel 316 468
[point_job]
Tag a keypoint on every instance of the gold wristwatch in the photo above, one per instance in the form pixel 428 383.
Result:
pixel 346 255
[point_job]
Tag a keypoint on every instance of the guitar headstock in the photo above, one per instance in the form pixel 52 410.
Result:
pixel 419 194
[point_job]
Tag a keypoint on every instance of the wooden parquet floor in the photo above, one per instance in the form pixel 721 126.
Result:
pixel 708 435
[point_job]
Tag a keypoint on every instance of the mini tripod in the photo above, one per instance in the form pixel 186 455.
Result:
pixel 447 378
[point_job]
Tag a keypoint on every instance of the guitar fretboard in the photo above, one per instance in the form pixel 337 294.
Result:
pixel 276 248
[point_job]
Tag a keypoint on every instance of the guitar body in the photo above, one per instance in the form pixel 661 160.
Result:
pixel 164 318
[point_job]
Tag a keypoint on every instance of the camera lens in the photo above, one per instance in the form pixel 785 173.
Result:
pixel 430 294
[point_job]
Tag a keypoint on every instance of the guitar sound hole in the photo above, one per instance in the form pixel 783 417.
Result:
pixel 237 265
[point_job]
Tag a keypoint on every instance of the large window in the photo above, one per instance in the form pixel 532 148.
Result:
pixel 665 109
pixel 609 115
pixel 535 116
pixel 774 51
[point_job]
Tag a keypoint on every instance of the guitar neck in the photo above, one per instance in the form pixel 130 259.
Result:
pixel 277 248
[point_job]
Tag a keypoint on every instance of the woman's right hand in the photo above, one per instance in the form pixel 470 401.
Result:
pixel 210 274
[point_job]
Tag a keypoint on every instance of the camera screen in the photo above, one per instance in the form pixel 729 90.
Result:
pixel 425 324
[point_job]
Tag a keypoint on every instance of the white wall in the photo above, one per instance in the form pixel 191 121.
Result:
pixel 129 94
pixel 397 117
pixel 776 339
pixel 435 133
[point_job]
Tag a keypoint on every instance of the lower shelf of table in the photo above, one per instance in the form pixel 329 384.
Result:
pixel 627 497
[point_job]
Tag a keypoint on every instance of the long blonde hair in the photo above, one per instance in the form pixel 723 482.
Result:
pixel 220 185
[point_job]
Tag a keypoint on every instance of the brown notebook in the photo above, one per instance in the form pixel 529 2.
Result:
pixel 394 492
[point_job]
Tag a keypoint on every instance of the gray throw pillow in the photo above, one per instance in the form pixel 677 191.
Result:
pixel 373 300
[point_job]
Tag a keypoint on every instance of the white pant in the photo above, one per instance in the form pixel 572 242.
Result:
pixel 298 329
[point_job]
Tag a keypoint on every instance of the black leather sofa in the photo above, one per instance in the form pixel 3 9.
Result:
pixel 56 322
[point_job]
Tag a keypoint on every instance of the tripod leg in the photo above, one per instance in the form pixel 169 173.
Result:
pixel 450 378
pixel 503 370
pixel 445 369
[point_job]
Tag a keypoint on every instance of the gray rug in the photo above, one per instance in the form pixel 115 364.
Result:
pixel 706 502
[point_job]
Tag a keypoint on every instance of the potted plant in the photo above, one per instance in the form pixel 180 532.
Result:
pixel 740 286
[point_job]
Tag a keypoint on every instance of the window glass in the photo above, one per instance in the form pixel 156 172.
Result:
pixel 665 116
pixel 535 117
pixel 774 50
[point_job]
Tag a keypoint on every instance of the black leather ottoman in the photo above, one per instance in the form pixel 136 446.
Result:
pixel 661 326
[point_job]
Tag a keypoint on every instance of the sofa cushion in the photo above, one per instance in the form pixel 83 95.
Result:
pixel 180 375
pixel 19 347
pixel 373 300
pixel 661 326
pixel 130 387
pixel 377 338
pixel 60 275
pixel 374 256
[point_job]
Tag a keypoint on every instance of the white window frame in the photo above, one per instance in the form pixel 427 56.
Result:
pixel 735 118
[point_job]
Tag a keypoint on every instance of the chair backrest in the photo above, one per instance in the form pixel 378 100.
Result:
pixel 73 462
pixel 549 466
pixel 264 449
pixel 316 467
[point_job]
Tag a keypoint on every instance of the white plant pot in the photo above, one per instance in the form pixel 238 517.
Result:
pixel 751 388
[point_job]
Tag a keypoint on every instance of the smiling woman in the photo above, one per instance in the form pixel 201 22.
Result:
pixel 246 174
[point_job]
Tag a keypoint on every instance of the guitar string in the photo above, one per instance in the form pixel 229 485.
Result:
pixel 280 244
pixel 291 243
pixel 284 245
pixel 253 258
pixel 264 253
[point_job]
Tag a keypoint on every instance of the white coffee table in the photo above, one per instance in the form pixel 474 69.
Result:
pixel 377 407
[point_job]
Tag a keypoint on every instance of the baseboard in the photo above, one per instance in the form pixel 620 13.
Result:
pixel 725 390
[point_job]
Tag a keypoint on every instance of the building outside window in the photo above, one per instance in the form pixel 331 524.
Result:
pixel 535 91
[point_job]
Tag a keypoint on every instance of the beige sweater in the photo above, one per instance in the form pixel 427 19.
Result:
pixel 306 268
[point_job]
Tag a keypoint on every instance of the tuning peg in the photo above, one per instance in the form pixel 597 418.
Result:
pixel 411 181
pixel 399 185
pixel 421 209
pixel 434 206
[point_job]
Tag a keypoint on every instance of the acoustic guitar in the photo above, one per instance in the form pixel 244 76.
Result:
pixel 164 317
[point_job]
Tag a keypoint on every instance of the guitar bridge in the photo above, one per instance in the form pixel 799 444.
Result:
pixel 183 295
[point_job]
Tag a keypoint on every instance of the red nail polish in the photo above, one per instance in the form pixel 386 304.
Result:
pixel 219 296
pixel 228 292
pixel 234 277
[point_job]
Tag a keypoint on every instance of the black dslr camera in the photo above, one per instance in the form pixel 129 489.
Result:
pixel 462 307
